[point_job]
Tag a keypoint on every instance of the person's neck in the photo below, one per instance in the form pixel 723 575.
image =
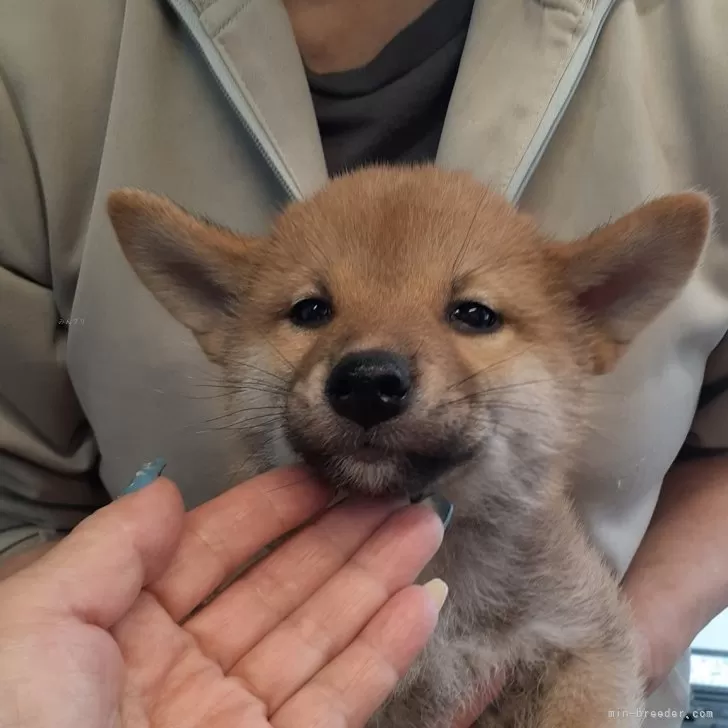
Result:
pixel 339 35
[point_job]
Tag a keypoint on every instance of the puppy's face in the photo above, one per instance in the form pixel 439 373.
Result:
pixel 405 322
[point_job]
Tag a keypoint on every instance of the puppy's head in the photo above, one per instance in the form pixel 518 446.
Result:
pixel 404 322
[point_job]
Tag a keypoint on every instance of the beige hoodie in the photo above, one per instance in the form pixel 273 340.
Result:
pixel 579 109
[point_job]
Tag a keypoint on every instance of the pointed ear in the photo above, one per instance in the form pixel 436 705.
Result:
pixel 624 274
pixel 193 268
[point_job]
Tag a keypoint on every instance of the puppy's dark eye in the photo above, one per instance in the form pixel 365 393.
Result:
pixel 474 318
pixel 310 313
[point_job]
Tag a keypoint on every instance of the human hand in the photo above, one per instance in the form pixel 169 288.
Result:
pixel 93 635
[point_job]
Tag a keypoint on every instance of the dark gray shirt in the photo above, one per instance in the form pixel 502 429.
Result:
pixel 393 109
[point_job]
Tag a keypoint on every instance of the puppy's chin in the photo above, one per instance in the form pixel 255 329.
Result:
pixel 383 474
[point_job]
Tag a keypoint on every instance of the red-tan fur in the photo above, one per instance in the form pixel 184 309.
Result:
pixel 392 248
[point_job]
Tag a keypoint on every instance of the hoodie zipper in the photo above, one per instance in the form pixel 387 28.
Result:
pixel 236 97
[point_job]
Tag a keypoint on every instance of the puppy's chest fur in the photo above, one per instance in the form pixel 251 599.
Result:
pixel 531 600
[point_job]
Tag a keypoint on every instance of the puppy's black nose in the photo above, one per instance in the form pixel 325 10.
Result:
pixel 369 387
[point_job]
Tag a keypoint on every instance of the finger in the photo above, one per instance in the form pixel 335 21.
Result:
pixel 283 581
pixel 98 570
pixel 222 534
pixel 322 627
pixel 348 690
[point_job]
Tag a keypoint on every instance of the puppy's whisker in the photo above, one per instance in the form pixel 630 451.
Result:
pixel 481 398
pixel 490 367
pixel 264 418
pixel 320 255
pixel 277 408
pixel 213 385
pixel 202 398
pixel 245 385
pixel 236 384
pixel 232 394
pixel 232 390
pixel 271 387
pixel 248 389
pixel 248 365
pixel 262 428
pixel 277 351
pixel 503 388
pixel 251 431
pixel 486 406
pixel 463 246
pixel 225 428
pixel 497 426
pixel 585 392
pixel 278 436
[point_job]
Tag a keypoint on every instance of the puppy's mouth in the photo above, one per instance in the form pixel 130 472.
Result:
pixel 374 470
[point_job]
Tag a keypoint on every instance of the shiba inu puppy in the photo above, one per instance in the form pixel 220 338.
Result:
pixel 407 331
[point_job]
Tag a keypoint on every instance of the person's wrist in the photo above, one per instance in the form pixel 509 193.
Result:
pixel 693 565
pixel 677 585
pixel 668 612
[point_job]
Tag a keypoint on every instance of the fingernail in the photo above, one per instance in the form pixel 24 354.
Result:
pixel 437 589
pixel 145 475
pixel 442 507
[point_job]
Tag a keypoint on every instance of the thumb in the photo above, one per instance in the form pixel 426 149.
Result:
pixel 97 571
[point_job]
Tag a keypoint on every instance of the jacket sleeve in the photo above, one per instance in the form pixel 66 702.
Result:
pixel 47 453
pixel 709 434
